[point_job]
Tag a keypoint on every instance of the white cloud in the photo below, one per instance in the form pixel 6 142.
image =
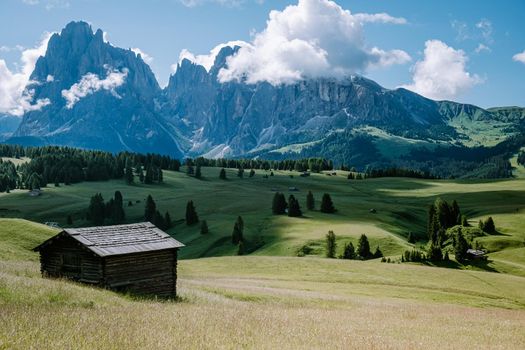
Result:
pixel 442 73
pixel 315 38
pixel 15 99
pixel 50 78
pixel 482 47
pixel 379 18
pixel 91 83
pixel 519 57
pixel 145 57
pixel 207 60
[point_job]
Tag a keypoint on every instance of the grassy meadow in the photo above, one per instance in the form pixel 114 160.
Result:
pixel 271 298
pixel 261 302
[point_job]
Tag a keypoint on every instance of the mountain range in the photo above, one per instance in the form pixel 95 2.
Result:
pixel 103 97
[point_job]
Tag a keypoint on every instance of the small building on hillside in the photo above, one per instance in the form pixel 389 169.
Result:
pixel 136 258
pixel 476 254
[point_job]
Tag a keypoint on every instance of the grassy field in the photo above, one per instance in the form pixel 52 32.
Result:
pixel 260 302
pixel 401 206
pixel 271 298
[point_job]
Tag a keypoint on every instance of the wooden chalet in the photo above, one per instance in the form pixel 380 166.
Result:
pixel 137 258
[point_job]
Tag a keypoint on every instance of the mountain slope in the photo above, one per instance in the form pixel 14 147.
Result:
pixel 234 119
pixel 99 96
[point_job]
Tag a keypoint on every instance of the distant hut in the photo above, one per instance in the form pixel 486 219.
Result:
pixel 137 258
pixel 476 254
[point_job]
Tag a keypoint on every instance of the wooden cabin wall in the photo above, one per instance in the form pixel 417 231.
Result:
pixel 88 265
pixel 153 273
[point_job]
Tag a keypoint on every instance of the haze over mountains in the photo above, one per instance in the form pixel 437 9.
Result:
pixel 94 95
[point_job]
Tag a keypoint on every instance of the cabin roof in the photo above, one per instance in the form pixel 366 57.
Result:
pixel 475 252
pixel 119 239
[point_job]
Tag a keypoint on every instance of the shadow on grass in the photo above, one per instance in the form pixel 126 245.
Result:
pixel 451 264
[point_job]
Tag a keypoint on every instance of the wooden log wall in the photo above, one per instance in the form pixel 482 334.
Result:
pixel 153 273
pixel 89 268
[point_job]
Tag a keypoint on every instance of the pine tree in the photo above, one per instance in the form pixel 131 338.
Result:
pixel 326 204
pixel 96 210
pixel 411 238
pixel 191 214
pixel 279 204
pixel 141 174
pixel 238 231
pixel 190 170
pixel 158 220
pixel 464 221
pixel 489 226
pixel 434 252
pixel 148 179
pixel 363 247
pixel 331 244
pixel 117 209
pixel 460 247
pixel 349 251
pixel 378 253
pixel 151 208
pixel 294 210
pixel 204 227
pixel 310 201
pixel 167 221
pixel 222 174
pixel 240 172
pixel 198 173
pixel 252 173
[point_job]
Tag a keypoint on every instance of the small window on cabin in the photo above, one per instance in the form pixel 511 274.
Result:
pixel 70 263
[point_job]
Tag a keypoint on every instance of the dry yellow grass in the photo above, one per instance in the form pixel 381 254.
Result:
pixel 228 309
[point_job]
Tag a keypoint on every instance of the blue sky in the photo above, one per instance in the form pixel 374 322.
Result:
pixel 489 33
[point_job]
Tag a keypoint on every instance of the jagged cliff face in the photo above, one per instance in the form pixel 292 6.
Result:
pixel 100 97
pixel 235 118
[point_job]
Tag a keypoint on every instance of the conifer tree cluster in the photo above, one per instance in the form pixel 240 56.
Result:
pixel 8 176
pixel 99 212
pixel 441 216
pixel 154 216
pixel 294 210
pixel 487 226
pixel 222 174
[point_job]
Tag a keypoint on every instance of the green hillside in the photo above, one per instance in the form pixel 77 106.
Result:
pixel 261 302
pixel 400 203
